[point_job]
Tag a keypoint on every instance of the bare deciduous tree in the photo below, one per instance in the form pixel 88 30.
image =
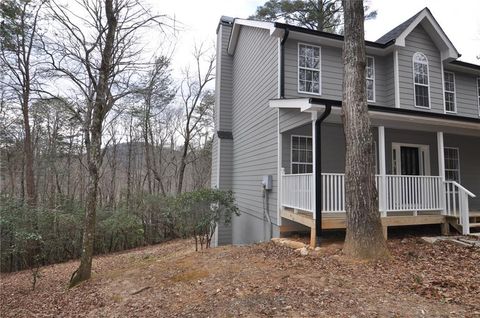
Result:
pixel 18 34
pixel 197 102
pixel 98 53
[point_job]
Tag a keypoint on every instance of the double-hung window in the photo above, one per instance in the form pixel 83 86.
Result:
pixel 302 154
pixel 421 81
pixel 370 78
pixel 309 69
pixel 452 164
pixel 449 89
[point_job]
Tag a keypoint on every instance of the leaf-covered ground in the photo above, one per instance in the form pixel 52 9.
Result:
pixel 172 280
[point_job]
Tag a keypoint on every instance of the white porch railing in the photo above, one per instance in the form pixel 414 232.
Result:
pixel 400 193
pixel 412 193
pixel 457 204
pixel 297 191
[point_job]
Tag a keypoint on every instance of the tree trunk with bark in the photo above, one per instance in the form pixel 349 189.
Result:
pixel 364 238
pixel 93 146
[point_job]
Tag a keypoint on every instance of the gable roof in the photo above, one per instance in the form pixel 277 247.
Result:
pixel 431 26
pixel 396 31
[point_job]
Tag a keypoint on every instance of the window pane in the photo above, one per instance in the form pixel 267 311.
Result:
pixel 295 155
pixel 294 168
pixel 449 101
pixel 309 156
pixel 309 168
pixel 421 96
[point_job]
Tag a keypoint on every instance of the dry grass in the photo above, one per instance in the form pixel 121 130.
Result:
pixel 172 280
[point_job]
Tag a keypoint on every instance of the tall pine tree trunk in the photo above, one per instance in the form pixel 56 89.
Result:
pixel 364 238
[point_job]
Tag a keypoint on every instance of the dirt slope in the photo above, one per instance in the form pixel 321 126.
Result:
pixel 172 280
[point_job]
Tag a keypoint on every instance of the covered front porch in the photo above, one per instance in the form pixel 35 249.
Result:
pixel 425 173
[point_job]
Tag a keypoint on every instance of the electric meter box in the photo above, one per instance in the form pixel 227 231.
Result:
pixel 267 182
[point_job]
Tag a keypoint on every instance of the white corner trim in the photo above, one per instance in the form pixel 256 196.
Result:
pixel 374 79
pixel 279 62
pixel 396 78
pixel 279 171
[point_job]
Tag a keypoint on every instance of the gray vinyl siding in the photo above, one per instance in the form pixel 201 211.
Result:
pixel 254 126
pixel 419 41
pixel 226 163
pixel 215 157
pixel 292 118
pixel 223 83
pixel 469 152
pixel 333 147
pixel 466 94
pixel 331 73
pixel 381 78
pixel 225 183
pixel 389 93
pixel 222 150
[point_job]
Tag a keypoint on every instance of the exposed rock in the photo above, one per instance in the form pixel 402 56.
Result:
pixel 304 251
pixel 430 240
pixel 288 243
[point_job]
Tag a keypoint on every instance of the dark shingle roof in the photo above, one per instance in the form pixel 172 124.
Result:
pixel 395 32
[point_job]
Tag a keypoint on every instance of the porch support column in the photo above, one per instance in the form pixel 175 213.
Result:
pixel 441 169
pixel 313 229
pixel 383 171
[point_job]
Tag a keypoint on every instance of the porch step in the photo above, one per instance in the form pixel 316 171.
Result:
pixel 474 224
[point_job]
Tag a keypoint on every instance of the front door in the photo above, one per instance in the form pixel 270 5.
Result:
pixel 410 161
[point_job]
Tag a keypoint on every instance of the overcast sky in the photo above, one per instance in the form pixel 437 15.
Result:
pixel 459 19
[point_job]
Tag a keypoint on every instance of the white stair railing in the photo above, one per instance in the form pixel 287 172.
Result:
pixel 457 204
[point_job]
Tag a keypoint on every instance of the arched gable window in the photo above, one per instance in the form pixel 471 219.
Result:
pixel 421 81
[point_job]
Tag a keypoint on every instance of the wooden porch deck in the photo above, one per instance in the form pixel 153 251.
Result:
pixel 337 221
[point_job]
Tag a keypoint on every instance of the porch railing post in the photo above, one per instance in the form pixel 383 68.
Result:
pixel 382 193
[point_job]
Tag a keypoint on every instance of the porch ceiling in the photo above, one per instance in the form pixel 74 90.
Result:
pixel 389 117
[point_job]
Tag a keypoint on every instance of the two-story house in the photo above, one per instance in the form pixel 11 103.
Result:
pixel 279 142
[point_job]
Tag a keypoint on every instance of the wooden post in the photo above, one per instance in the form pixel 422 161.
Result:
pixel 313 236
pixel 445 228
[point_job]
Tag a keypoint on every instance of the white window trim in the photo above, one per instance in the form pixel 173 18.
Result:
pixel 373 78
pixel 458 157
pixel 424 150
pixel 428 86
pixel 478 94
pixel 454 94
pixel 291 153
pixel 311 69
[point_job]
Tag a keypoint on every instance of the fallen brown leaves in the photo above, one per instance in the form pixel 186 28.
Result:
pixel 171 280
